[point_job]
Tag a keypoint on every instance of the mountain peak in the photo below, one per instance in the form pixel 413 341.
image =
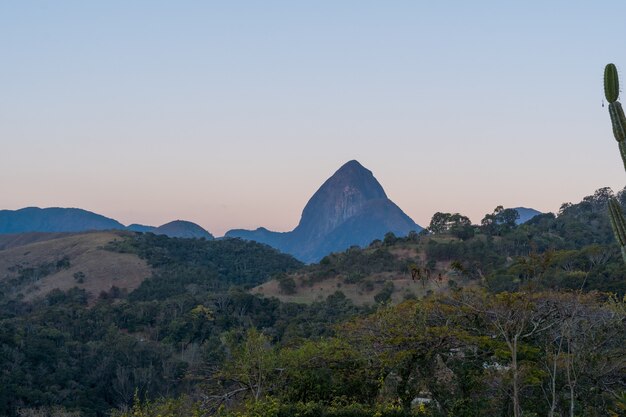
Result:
pixel 353 172
pixel 350 208
pixel 341 196
pixel 353 164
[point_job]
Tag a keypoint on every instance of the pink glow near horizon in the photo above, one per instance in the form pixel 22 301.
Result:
pixel 232 117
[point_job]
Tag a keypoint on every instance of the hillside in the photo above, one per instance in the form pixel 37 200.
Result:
pixel 572 250
pixel 33 265
pixel 66 261
pixel 382 272
pixel 20 239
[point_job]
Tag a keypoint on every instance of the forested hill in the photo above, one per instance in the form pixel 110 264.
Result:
pixel 33 265
pixel 571 250
pixel 90 351
pixel 213 265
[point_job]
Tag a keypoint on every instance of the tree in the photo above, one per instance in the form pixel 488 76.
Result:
pixel 458 225
pixel 251 366
pixel 439 222
pixel 461 227
pixel 287 285
pixel 515 318
pixel 500 221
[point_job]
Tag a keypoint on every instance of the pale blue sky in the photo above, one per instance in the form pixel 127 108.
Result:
pixel 232 113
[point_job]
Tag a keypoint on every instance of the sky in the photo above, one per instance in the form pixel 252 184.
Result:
pixel 231 114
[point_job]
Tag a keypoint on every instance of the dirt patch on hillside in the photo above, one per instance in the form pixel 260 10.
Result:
pixel 361 293
pixel 71 261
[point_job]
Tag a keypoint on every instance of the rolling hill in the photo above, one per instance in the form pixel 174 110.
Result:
pixel 54 219
pixel 32 270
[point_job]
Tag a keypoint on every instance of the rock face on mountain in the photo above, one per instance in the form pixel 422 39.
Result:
pixel 525 214
pixel 54 219
pixel 184 229
pixel 350 208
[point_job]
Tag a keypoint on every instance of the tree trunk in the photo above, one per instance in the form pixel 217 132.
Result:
pixel 517 409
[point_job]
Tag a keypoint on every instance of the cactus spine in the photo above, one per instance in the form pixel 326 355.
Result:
pixel 618 121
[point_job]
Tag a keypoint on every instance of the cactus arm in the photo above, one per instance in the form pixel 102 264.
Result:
pixel 618 121
pixel 618 223
pixel 611 83
pixel 622 151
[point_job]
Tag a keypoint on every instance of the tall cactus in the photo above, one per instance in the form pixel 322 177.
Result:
pixel 618 121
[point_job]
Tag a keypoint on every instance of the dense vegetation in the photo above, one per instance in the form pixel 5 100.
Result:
pixel 540 332
pixel 202 264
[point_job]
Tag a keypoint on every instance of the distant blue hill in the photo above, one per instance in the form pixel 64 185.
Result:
pixel 72 220
pixel 525 214
pixel 54 219
pixel 183 229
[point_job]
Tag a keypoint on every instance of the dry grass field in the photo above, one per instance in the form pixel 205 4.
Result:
pixel 90 266
pixel 363 292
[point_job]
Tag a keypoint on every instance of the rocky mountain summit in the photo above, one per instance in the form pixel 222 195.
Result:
pixel 350 208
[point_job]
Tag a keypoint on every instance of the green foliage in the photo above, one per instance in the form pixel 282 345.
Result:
pixel 192 341
pixel 287 285
pixel 251 362
pixel 384 296
pixel 64 351
pixel 209 265
pixel 165 407
pixel 322 370
pixel 456 224
pixel 440 356
pixel 389 239
pixel 272 407
pixel 500 222
pixel 356 263
pixel 573 249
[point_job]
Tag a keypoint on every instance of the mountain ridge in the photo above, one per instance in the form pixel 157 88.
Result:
pixel 77 220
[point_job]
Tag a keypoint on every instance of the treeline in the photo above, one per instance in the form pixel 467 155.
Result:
pixel 573 249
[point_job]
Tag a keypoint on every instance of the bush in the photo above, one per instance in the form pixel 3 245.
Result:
pixel 384 295
pixel 287 285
